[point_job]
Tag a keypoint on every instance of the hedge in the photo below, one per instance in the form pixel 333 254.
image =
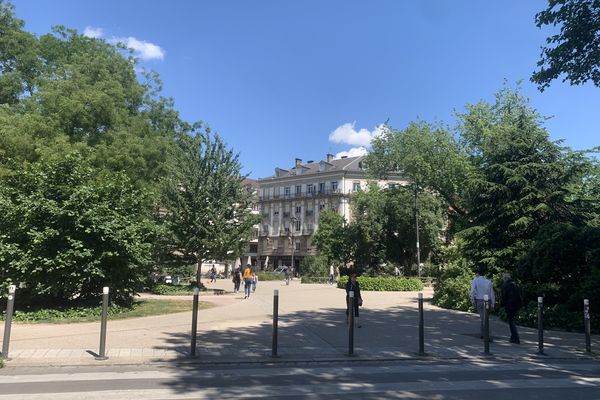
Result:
pixel 166 289
pixel 269 276
pixel 384 284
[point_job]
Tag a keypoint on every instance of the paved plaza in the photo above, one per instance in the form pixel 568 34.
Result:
pixel 311 328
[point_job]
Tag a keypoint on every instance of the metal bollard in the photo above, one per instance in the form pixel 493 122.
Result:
pixel 194 322
pixel 540 325
pixel 486 324
pixel 10 308
pixel 351 323
pixel 102 352
pixel 588 329
pixel 275 323
pixel 421 327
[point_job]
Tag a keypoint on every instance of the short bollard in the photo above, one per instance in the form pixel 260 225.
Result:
pixel 275 322
pixel 486 324
pixel 351 323
pixel 10 308
pixel 421 327
pixel 102 353
pixel 194 322
pixel 540 325
pixel 588 329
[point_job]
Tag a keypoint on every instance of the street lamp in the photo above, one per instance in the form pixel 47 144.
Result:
pixel 293 221
pixel 417 223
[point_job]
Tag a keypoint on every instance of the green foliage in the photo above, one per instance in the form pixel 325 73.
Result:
pixel 331 239
pixel 269 276
pixel 575 50
pixel 453 286
pixel 556 316
pixel 384 284
pixel 68 230
pixel 166 289
pixel 315 266
pixel 564 265
pixel 209 210
pixel 140 308
pixel 523 181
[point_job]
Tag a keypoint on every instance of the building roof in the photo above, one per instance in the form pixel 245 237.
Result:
pixel 313 168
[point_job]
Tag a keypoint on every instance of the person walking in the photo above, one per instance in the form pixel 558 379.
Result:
pixel 479 288
pixel 511 301
pixel 254 282
pixel 213 274
pixel 331 275
pixel 247 276
pixel 236 279
pixel 353 286
pixel 396 272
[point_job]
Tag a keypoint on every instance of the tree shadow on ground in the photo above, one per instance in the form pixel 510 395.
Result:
pixel 386 334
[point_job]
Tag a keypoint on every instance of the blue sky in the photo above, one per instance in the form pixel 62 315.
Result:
pixel 280 80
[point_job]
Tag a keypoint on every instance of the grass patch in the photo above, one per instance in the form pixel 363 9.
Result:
pixel 166 289
pixel 140 308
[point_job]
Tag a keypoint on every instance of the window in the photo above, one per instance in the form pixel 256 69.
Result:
pixel 310 188
pixel 298 209
pixel 334 186
pixel 298 190
pixel 321 187
pixel 355 186
pixel 286 191
pixel 276 211
pixel 298 225
pixel 321 207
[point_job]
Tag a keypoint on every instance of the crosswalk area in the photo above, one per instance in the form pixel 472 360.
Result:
pixel 458 379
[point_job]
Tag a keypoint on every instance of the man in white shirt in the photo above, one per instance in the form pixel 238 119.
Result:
pixel 479 288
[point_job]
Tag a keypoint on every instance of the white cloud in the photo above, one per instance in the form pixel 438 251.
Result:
pixel 145 50
pixel 348 135
pixel 92 32
pixel 353 152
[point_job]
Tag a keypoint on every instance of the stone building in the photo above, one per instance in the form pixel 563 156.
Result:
pixel 291 201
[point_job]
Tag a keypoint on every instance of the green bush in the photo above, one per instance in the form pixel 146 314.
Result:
pixel 165 289
pixel 315 266
pixel 555 317
pixel 384 284
pixel 314 279
pixel 269 276
pixel 83 313
pixel 452 289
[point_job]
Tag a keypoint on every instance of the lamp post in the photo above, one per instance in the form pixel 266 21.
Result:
pixel 293 221
pixel 417 227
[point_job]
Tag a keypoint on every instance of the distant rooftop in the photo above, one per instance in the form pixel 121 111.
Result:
pixel 312 168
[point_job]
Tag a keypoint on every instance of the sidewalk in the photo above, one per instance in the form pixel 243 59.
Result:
pixel 311 328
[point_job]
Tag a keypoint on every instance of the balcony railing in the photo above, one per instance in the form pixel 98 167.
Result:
pixel 313 193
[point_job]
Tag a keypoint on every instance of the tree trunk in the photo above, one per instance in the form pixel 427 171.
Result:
pixel 199 272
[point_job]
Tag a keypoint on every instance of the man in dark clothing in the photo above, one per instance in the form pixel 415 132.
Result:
pixel 353 286
pixel 511 300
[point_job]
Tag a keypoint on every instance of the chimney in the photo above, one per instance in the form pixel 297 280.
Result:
pixel 343 157
pixel 298 162
pixel 329 158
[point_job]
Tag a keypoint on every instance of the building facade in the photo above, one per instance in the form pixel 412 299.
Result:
pixel 291 201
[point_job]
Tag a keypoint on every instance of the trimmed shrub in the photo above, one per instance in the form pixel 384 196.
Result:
pixel 269 276
pixel 376 284
pixel 165 289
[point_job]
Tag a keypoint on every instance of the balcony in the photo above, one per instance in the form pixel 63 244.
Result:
pixel 313 193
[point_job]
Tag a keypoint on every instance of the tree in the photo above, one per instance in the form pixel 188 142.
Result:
pixel 207 209
pixel 429 156
pixel 575 50
pixel 68 229
pixel 524 181
pixel 331 238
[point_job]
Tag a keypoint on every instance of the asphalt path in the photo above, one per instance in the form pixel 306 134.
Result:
pixel 439 380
